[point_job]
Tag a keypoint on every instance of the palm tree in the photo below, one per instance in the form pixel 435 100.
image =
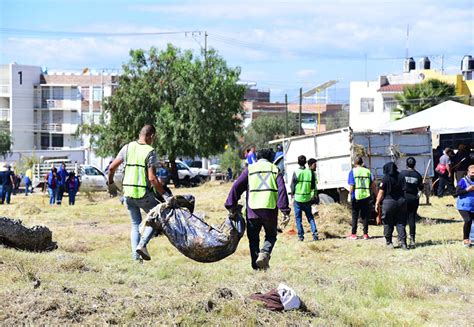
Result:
pixel 418 97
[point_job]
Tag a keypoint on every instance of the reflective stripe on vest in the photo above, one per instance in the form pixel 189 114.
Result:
pixel 303 191
pixel 466 201
pixel 134 180
pixel 263 188
pixel 361 182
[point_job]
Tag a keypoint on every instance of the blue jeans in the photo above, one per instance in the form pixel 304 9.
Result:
pixel 146 203
pixel 27 188
pixel 305 207
pixel 72 197
pixel 7 193
pixel 53 192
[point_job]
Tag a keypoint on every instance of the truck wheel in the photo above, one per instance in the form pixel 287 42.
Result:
pixel 325 199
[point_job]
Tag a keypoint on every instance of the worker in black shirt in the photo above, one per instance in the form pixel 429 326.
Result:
pixel 413 184
pixel 394 207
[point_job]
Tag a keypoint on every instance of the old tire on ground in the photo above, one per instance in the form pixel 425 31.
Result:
pixel 14 234
pixel 325 199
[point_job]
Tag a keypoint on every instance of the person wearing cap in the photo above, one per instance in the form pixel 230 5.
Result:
pixel 266 193
pixel 413 185
pixel 72 185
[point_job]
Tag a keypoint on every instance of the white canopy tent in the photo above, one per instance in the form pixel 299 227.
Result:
pixel 445 118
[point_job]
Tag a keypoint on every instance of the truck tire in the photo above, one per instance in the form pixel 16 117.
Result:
pixel 325 199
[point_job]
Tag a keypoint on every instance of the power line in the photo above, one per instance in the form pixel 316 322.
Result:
pixel 21 32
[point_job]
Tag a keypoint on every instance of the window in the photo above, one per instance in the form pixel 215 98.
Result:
pixel 97 93
pixel 44 141
pixel 389 104
pixel 75 94
pixel 58 141
pixel 58 93
pixel 85 93
pixel 45 95
pixel 367 105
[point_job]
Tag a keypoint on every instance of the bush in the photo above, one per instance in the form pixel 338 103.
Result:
pixel 230 158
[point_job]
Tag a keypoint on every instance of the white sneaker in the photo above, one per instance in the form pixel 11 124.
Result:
pixel 263 260
pixel 143 252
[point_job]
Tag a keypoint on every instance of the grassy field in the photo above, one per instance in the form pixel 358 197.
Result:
pixel 91 279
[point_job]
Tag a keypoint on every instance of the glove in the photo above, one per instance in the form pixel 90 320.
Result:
pixel 112 189
pixel 233 213
pixel 285 221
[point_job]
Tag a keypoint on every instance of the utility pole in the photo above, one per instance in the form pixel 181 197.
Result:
pixel 442 64
pixel 300 111
pixel 205 46
pixel 286 115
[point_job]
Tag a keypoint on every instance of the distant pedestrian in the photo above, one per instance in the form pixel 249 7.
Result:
pixel 8 183
pixel 303 184
pixel 413 185
pixel 28 179
pixel 361 182
pixel 251 156
pixel 229 175
pixel 465 203
pixel 72 187
pixel 52 185
pixel 62 176
pixel 445 173
pixel 394 207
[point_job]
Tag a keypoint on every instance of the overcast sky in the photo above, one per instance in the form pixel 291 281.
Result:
pixel 280 45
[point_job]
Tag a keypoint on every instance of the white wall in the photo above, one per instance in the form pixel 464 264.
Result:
pixel 22 103
pixel 362 121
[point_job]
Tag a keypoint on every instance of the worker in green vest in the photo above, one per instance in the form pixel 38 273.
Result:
pixel 139 180
pixel 266 193
pixel 360 182
pixel 303 184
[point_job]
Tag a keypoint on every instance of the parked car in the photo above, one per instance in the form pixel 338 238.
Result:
pixel 196 167
pixel 92 179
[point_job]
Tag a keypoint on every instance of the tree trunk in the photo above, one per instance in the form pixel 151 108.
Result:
pixel 14 234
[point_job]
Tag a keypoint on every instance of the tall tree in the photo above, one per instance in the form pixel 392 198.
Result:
pixel 269 127
pixel 418 97
pixel 5 142
pixel 193 103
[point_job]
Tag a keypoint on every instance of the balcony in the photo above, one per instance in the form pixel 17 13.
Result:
pixel 4 89
pixel 58 128
pixel 72 105
pixel 4 114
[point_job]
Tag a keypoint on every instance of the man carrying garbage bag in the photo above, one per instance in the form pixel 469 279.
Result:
pixel 139 181
pixel 266 193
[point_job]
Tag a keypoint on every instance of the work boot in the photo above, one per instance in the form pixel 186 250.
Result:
pixel 403 244
pixel 315 237
pixel 263 260
pixel 412 242
pixel 143 252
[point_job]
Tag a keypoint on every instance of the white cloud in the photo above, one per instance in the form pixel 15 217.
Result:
pixel 305 74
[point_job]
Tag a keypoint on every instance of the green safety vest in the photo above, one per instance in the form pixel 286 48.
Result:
pixel 135 176
pixel 263 188
pixel 303 191
pixel 361 182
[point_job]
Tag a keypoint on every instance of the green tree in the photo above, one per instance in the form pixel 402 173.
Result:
pixel 269 127
pixel 5 142
pixel 193 103
pixel 418 97
pixel 339 120
pixel 231 158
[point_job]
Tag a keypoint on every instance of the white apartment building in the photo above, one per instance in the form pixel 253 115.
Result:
pixel 43 111
pixel 372 103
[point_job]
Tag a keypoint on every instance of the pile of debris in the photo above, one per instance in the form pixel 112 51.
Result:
pixel 14 234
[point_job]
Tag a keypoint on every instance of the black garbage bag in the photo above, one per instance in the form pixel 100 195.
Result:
pixel 191 235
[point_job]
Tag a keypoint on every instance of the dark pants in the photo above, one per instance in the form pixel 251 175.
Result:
pixel 7 193
pixel 394 213
pixel 72 197
pixel 468 217
pixel 254 226
pixel 445 185
pixel 412 207
pixel 362 207
pixel 59 196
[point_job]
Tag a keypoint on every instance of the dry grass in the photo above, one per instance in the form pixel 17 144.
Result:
pixel 91 279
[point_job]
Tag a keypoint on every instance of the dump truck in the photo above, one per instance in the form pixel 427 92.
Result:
pixel 335 150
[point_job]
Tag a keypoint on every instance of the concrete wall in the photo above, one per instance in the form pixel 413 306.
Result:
pixel 22 104
pixel 362 121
